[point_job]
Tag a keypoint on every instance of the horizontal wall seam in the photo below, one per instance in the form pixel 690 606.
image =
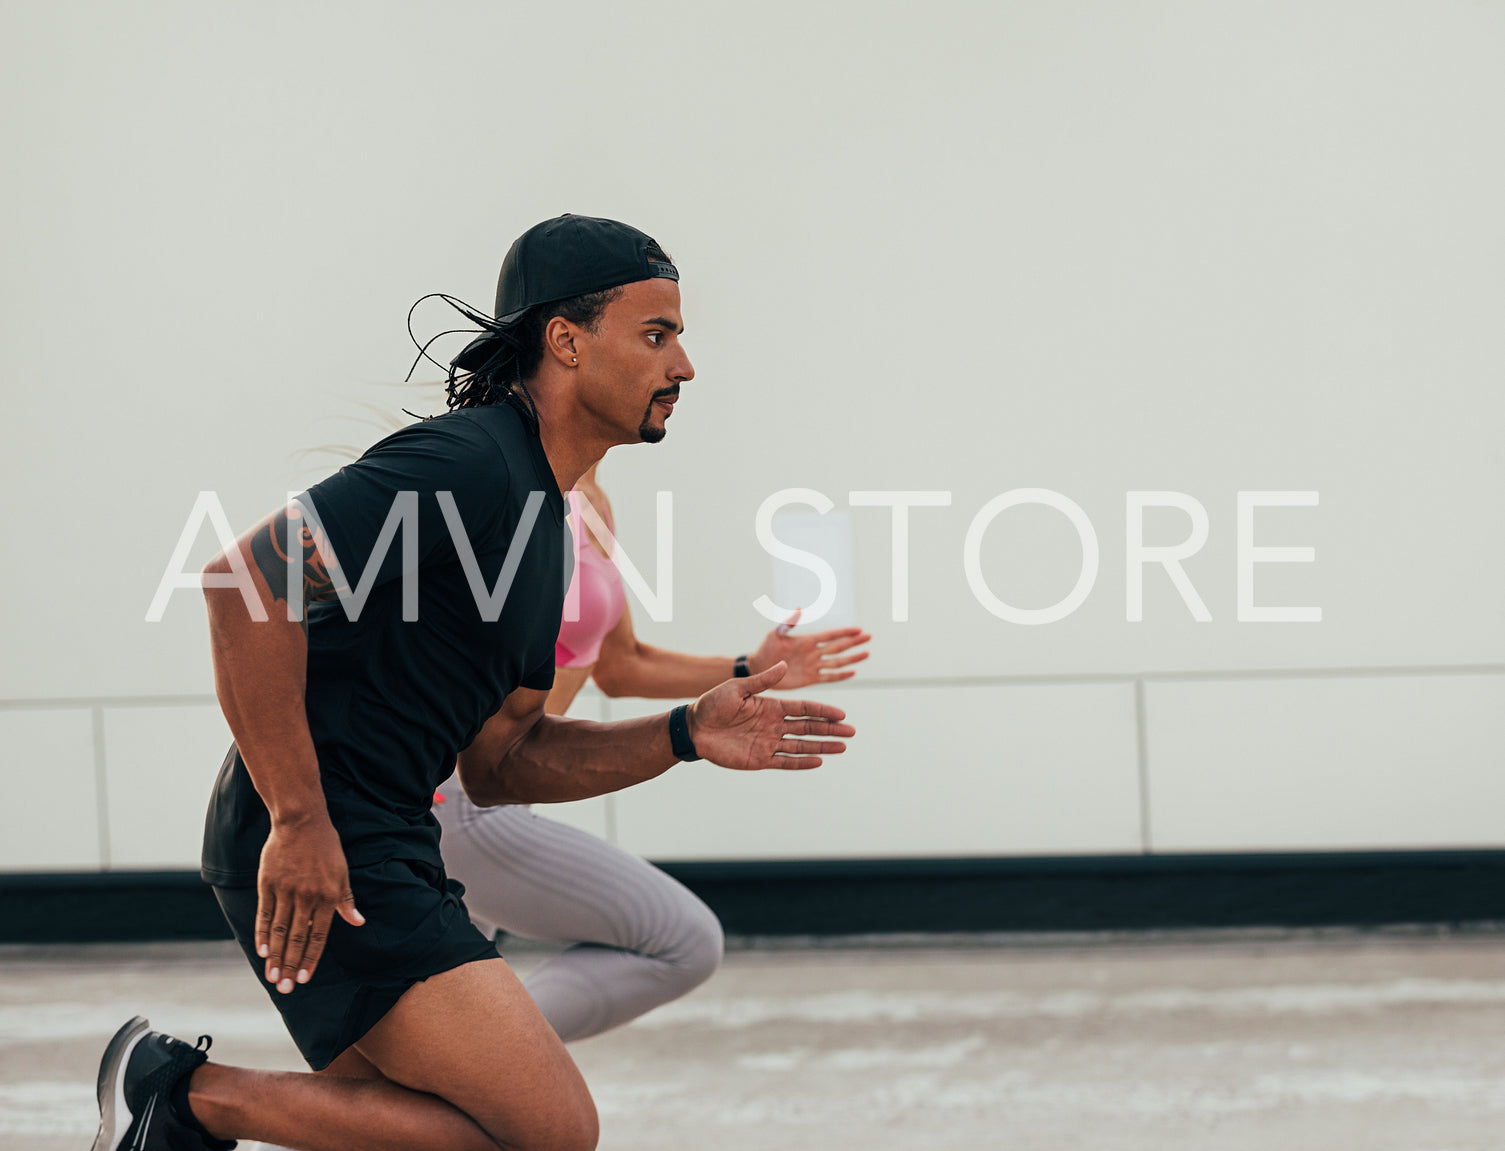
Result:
pixel 88 701
pixel 869 683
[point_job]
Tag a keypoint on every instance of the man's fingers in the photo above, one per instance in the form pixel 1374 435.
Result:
pixel 826 728
pixel 347 909
pixel 809 709
pixel 265 901
pixel 765 679
pixel 267 945
pixel 318 936
pixel 783 762
pixel 297 931
pixel 818 727
pixel 282 915
pixel 305 912
pixel 790 746
pixel 836 676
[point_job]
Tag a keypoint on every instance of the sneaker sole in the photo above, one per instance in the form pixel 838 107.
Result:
pixel 114 1115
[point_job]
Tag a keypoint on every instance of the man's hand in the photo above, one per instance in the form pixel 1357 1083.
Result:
pixel 302 882
pixel 733 726
pixel 814 658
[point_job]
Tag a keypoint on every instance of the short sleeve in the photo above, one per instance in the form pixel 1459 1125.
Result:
pixel 404 478
pixel 541 678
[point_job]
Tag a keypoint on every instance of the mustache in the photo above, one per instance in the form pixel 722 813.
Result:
pixel 665 393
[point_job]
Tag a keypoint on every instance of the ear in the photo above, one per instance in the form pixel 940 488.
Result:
pixel 559 338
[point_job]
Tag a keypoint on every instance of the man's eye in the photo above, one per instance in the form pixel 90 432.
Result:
pixel 656 337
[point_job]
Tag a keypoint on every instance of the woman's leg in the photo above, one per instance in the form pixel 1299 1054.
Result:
pixel 469 1065
pixel 642 938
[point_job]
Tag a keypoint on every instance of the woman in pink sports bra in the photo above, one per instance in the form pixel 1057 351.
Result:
pixel 595 599
pixel 639 937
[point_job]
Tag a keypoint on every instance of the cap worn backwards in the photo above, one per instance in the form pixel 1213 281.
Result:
pixel 557 260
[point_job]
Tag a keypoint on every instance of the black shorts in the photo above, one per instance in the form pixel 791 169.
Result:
pixel 416 926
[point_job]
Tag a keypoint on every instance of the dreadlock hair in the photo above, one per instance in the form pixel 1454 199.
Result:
pixel 492 383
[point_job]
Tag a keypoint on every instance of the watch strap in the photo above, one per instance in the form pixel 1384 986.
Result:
pixel 679 734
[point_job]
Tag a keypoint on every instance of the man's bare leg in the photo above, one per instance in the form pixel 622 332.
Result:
pixel 469 1065
pixel 349 1064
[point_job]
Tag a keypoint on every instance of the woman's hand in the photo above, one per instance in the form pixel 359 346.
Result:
pixel 814 658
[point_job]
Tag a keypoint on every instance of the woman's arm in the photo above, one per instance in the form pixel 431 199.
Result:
pixel 567 684
pixel 629 667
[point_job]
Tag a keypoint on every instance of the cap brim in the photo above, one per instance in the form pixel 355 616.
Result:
pixel 484 348
pixel 476 353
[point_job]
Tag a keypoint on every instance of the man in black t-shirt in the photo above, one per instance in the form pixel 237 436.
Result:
pixel 432 570
pixel 385 694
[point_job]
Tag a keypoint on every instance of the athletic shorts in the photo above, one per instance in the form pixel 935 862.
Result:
pixel 415 927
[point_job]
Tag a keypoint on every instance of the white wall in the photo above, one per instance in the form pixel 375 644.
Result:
pixel 1088 247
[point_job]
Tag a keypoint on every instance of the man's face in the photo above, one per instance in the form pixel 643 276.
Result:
pixel 632 365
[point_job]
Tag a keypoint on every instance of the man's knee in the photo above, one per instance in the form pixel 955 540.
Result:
pixel 576 1128
pixel 587 1127
pixel 569 1124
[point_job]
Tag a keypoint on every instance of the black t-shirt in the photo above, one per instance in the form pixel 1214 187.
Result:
pixel 390 701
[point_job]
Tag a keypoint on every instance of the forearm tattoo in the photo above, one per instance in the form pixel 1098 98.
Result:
pixel 269 551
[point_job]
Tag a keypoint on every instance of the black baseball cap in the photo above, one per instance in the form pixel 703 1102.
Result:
pixel 557 260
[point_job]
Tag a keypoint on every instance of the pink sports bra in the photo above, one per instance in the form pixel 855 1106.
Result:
pixel 595 597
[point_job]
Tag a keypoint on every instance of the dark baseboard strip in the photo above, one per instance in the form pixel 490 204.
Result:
pixel 910 896
pixel 1109 893
pixel 108 907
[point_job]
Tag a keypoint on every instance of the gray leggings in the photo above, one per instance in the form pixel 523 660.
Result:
pixel 640 938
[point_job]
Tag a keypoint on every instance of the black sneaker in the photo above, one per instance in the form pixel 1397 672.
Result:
pixel 137 1075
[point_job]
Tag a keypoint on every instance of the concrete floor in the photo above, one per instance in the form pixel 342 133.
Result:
pixel 1324 1041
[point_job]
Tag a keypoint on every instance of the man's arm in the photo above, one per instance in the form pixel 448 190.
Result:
pixel 260 669
pixel 524 756
pixel 260 672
